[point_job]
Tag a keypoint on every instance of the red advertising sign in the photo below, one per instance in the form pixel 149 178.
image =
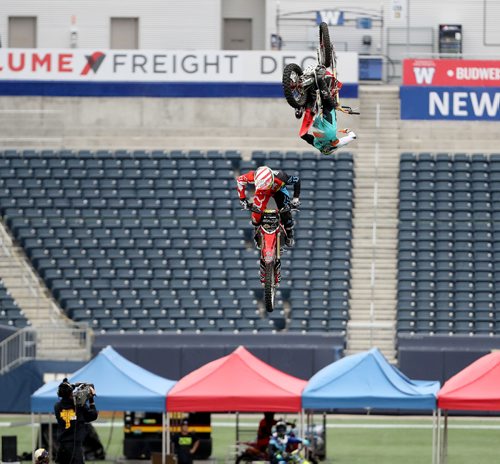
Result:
pixel 452 73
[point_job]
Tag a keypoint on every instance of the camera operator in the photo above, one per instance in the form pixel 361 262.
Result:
pixel 72 414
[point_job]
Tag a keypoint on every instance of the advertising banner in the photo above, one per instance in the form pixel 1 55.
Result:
pixel 453 103
pixel 467 73
pixel 168 72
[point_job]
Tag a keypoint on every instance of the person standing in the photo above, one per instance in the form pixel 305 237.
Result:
pixel 185 444
pixel 71 422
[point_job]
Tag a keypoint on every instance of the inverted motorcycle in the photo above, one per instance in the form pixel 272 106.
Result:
pixel 301 86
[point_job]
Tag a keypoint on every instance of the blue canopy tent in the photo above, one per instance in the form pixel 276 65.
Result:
pixel 120 386
pixel 367 381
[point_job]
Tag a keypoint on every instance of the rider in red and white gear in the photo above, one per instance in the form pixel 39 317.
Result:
pixel 269 183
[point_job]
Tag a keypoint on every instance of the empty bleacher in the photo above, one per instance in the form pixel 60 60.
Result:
pixel 449 244
pixel 10 314
pixel 155 241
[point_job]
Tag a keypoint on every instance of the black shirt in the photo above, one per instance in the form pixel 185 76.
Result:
pixel 183 445
pixel 71 420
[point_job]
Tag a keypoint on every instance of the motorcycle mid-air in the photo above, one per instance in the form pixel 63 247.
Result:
pixel 270 237
pixel 301 87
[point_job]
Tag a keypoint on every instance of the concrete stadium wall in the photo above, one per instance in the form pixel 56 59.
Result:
pixel 184 123
pixel 190 123
pixel 175 355
pixel 441 357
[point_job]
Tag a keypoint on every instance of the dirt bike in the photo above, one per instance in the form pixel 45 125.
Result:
pixel 301 86
pixel 270 236
pixel 250 453
pixel 297 456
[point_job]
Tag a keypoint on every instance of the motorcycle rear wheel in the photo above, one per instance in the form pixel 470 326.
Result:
pixel 269 288
pixel 292 87
pixel 325 45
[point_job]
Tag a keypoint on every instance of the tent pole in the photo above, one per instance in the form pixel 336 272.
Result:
pixel 433 436
pixel 168 432
pixel 163 431
pixel 237 427
pixel 301 431
pixel 40 430
pixel 438 437
pixel 33 446
pixel 445 438
pixel 51 444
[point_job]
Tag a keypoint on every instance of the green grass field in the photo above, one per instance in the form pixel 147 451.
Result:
pixel 350 439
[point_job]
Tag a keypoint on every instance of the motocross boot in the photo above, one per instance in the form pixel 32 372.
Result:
pixel 289 241
pixel 257 239
pixel 321 82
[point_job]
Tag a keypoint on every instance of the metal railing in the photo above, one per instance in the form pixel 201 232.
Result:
pixel 17 349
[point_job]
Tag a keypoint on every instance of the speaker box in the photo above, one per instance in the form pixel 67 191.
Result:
pixel 9 449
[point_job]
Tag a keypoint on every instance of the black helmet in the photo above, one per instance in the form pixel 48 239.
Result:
pixel 281 427
pixel 65 389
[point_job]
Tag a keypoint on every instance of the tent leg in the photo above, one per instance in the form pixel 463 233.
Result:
pixel 433 436
pixel 438 438
pixel 51 444
pixel 445 438
pixel 163 432
pixel 168 432
pixel 324 431
pixel 237 427
pixel 40 429
pixel 33 445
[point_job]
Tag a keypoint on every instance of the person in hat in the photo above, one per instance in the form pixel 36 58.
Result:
pixel 185 444
pixel 71 423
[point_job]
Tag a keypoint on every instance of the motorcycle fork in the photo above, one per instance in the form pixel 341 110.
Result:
pixel 271 249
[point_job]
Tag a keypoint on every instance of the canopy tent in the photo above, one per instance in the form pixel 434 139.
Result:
pixel 120 385
pixel 367 380
pixel 474 388
pixel 237 382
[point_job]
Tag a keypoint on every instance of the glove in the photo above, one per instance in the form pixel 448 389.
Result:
pixel 244 203
pixel 295 202
pixel 320 72
pixel 92 392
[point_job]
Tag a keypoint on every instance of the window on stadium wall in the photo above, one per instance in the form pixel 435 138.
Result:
pixel 22 32
pixel 124 33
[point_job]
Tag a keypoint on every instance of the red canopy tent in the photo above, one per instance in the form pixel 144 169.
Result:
pixel 237 382
pixel 474 388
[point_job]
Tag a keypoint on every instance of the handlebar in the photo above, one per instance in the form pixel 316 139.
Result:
pixel 285 208
pixel 347 109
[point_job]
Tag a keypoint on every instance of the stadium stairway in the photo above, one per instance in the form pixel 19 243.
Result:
pixel 374 258
pixel 58 338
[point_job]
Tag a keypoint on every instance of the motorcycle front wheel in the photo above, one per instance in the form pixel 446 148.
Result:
pixel 295 94
pixel 325 45
pixel 269 288
pixel 244 459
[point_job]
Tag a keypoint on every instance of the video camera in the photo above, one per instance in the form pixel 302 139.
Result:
pixel 80 392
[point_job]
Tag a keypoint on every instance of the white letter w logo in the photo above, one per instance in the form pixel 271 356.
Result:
pixel 424 75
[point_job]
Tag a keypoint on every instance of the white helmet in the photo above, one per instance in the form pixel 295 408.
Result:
pixel 263 178
pixel 41 456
